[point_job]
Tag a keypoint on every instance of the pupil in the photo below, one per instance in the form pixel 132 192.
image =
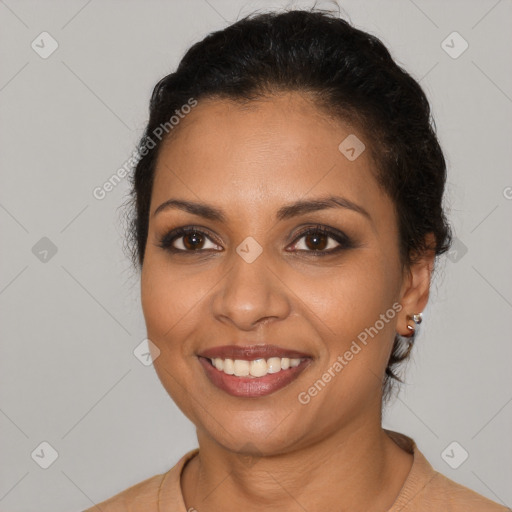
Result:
pixel 192 236
pixel 317 244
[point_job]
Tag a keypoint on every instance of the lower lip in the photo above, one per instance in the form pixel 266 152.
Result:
pixel 251 387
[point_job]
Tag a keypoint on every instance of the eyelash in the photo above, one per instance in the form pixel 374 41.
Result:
pixel 341 238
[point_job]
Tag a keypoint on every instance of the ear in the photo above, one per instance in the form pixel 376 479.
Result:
pixel 415 288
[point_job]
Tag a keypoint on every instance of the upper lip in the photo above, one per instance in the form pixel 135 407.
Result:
pixel 250 352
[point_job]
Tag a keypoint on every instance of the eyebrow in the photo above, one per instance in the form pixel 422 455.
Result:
pixel 286 212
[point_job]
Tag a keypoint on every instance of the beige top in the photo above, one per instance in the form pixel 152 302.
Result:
pixel 424 490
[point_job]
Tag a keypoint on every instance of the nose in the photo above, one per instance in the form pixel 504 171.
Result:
pixel 251 294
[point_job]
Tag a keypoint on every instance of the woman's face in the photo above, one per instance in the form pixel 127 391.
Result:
pixel 253 278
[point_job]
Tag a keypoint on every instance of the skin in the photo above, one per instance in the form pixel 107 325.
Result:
pixel 273 452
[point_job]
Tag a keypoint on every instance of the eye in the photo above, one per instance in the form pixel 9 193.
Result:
pixel 186 239
pixel 316 241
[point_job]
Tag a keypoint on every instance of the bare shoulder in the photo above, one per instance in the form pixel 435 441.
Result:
pixel 141 497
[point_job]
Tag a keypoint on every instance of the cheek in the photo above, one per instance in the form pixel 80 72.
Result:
pixel 171 302
pixel 171 307
pixel 350 297
pixel 352 309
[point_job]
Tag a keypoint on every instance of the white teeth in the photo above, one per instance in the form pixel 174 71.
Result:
pixel 241 367
pixel 228 367
pixel 258 368
pixel 274 365
pixel 255 368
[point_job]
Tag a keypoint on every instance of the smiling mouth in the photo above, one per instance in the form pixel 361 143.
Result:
pixel 253 378
pixel 255 368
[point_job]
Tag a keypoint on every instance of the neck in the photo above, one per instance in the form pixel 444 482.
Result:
pixel 359 468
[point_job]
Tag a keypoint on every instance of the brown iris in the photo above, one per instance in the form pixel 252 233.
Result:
pixel 195 238
pixel 319 241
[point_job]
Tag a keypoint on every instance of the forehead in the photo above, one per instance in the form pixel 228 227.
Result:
pixel 276 149
pixel 280 123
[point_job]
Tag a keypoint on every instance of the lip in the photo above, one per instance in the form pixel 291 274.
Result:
pixel 252 387
pixel 249 352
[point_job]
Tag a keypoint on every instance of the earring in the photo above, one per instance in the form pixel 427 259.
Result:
pixel 417 319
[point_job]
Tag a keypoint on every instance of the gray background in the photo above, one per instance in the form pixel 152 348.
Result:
pixel 70 322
